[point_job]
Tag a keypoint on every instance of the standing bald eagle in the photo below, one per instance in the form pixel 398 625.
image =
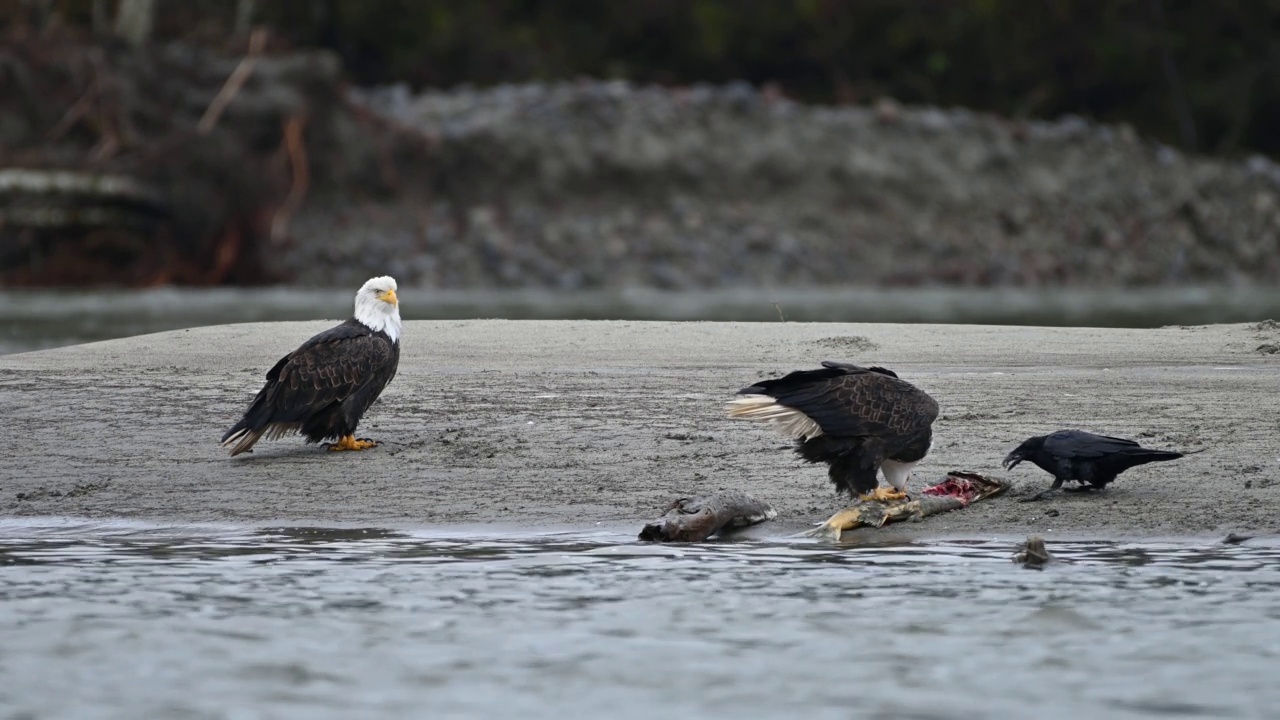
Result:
pixel 323 388
pixel 857 420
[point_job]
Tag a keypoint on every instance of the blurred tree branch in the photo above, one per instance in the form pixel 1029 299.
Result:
pixel 1194 74
pixel 135 20
pixel 244 17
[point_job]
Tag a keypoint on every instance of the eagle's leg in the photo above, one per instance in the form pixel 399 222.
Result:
pixel 897 474
pixel 349 442
pixel 883 494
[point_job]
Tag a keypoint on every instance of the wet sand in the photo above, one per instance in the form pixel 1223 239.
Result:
pixel 567 424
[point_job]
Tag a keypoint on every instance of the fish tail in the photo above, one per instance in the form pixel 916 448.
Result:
pixel 825 531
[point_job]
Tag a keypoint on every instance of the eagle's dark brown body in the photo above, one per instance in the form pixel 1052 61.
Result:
pixel 861 418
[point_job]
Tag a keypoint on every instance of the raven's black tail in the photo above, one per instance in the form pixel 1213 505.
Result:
pixel 1142 456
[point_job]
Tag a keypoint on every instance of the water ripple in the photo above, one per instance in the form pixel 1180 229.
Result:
pixel 130 621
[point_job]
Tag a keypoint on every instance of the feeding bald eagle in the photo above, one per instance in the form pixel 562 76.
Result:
pixel 857 420
pixel 1091 460
pixel 323 388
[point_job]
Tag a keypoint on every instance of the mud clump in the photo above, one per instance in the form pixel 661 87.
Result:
pixel 847 343
pixel 78 490
pixel 1033 554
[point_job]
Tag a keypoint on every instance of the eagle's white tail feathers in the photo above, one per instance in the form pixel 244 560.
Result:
pixel 275 431
pixel 244 439
pixel 788 420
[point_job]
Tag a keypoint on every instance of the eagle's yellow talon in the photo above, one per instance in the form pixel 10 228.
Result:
pixel 349 442
pixel 883 494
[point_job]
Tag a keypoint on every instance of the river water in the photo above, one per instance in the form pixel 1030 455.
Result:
pixel 31 320
pixel 123 620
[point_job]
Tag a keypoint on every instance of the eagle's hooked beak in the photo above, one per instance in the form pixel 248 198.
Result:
pixel 1012 459
pixel 390 297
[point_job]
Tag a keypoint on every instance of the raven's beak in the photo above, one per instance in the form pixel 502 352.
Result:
pixel 1012 459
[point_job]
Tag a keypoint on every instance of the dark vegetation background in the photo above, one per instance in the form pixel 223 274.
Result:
pixel 486 144
pixel 1203 76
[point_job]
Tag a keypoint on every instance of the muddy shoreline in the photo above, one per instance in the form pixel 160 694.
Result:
pixel 597 425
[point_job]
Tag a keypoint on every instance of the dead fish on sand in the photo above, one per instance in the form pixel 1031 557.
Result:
pixel 959 489
pixel 1033 554
pixel 694 519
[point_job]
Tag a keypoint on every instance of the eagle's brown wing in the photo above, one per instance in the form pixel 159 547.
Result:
pixel 850 401
pixel 317 375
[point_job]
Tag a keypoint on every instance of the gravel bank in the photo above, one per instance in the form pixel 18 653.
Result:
pixel 592 184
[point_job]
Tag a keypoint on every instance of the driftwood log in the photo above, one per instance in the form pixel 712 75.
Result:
pixel 160 163
pixel 38 198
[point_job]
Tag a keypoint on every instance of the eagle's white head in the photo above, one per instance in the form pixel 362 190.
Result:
pixel 377 306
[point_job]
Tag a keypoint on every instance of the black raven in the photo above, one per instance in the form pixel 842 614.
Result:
pixel 1091 460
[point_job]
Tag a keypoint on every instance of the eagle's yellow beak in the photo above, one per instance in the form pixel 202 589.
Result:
pixel 390 297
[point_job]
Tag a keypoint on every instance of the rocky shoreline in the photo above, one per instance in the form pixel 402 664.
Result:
pixel 595 184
